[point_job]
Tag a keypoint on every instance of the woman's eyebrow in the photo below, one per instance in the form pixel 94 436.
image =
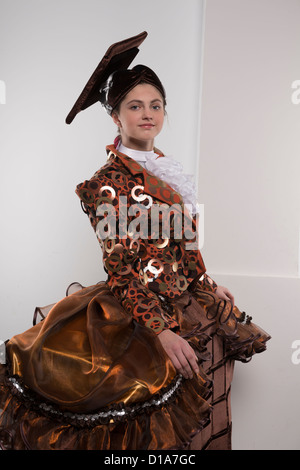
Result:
pixel 135 101
pixel 140 101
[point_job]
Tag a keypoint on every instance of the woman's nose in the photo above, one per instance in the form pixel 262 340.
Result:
pixel 147 113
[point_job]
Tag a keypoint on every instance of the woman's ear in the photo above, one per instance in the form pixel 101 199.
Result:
pixel 115 118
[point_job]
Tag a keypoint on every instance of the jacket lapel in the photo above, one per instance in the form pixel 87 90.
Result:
pixel 153 185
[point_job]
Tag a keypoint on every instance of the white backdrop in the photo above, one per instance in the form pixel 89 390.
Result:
pixel 246 157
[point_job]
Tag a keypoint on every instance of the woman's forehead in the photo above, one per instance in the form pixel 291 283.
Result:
pixel 143 92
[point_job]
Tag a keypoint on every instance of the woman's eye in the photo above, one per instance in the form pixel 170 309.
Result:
pixel 134 107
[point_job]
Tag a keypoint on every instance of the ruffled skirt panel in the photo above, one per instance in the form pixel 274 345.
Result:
pixel 88 377
pixel 223 335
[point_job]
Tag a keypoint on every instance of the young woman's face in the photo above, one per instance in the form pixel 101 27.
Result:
pixel 140 117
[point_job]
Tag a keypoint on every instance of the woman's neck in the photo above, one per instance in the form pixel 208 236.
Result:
pixel 144 146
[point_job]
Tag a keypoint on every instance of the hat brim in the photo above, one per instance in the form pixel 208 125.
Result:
pixel 118 56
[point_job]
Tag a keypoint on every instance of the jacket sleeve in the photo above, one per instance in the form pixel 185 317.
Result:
pixel 207 283
pixel 123 258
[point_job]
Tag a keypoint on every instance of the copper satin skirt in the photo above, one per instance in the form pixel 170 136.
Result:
pixel 88 377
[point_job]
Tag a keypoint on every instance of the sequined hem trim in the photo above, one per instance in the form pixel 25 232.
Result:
pixel 116 413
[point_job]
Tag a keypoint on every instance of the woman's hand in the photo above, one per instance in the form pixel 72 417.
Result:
pixel 224 294
pixel 180 352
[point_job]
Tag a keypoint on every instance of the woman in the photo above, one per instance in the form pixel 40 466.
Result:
pixel 143 360
pixel 140 118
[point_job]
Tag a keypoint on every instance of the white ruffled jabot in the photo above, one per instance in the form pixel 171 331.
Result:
pixel 168 170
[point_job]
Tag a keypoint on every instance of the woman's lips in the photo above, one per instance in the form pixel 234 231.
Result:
pixel 147 126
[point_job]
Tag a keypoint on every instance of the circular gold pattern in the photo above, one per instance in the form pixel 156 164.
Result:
pixel 155 320
pixel 118 177
pixel 141 197
pixel 169 255
pixel 134 245
pixel 146 303
pixel 109 189
pixel 103 199
pixel 109 245
pixel 122 282
pixel 86 196
pixel 160 244
pixel 130 256
pixel 181 283
pixel 153 270
pixel 125 270
pixel 113 263
pixel 128 305
pixel 143 277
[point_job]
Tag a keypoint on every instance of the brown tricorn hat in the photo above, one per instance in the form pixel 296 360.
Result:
pixel 117 58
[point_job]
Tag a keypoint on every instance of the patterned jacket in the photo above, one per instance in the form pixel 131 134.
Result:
pixel 149 251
